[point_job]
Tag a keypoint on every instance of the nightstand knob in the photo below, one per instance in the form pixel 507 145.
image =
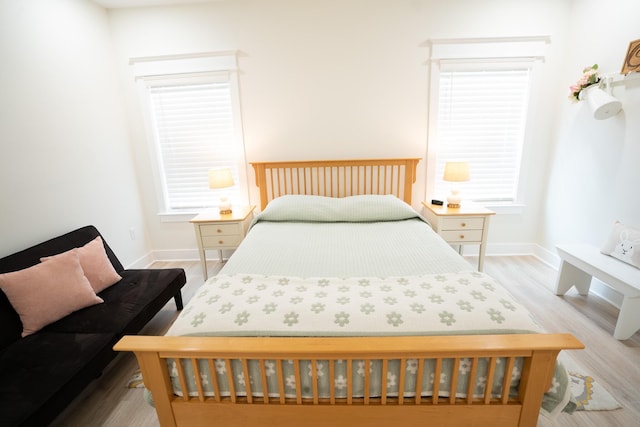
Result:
pixel 464 224
pixel 220 242
pixel 462 236
pixel 218 231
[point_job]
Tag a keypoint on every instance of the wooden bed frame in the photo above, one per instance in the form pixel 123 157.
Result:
pixel 339 179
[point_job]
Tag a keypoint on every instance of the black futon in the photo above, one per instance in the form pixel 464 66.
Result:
pixel 42 373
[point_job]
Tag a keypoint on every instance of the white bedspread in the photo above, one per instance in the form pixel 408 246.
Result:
pixel 437 304
pixel 440 304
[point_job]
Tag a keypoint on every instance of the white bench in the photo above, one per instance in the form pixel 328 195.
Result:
pixel 582 262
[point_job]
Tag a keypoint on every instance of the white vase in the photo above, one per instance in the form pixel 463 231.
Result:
pixel 602 104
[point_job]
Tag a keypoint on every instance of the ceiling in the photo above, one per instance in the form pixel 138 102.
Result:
pixel 116 4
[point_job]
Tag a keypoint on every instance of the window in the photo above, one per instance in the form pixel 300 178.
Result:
pixel 479 106
pixel 481 119
pixel 193 123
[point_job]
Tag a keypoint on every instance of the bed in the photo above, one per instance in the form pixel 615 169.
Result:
pixel 343 307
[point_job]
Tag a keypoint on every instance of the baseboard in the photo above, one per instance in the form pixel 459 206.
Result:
pixel 165 255
pixel 501 249
pixel 176 255
pixel 143 262
pixel 185 255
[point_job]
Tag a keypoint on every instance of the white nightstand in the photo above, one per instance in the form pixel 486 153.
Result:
pixel 466 225
pixel 215 231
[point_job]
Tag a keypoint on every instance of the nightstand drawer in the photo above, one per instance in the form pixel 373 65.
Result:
pixel 220 230
pixel 462 223
pixel 212 242
pixel 459 236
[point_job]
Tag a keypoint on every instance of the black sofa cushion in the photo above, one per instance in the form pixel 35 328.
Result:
pixel 128 305
pixel 47 370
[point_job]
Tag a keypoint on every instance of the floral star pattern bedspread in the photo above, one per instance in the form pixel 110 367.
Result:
pixel 440 304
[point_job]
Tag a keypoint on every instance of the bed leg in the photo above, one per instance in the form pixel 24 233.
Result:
pixel 178 298
pixel 154 372
pixel 536 379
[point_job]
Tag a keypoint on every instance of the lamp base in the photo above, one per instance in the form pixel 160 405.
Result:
pixel 454 199
pixel 225 206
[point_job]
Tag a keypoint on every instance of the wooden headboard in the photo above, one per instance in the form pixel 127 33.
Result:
pixel 335 178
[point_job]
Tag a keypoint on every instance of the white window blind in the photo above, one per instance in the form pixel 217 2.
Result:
pixel 478 112
pixel 192 112
pixel 195 132
pixel 481 119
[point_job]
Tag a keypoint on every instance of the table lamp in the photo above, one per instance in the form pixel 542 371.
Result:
pixel 455 172
pixel 221 178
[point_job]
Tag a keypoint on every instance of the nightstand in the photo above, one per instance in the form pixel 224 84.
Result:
pixel 466 225
pixel 215 231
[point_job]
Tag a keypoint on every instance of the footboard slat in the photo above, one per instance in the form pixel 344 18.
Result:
pixel 437 372
pixel 507 379
pixel 385 368
pixel 232 388
pixel 183 381
pixel 471 381
pixel 263 379
pixel 296 367
pixel 454 381
pixel 419 378
pixel 367 381
pixel 198 378
pixel 349 383
pixel 214 379
pixel 247 380
pixel 244 359
pixel 332 382
pixel 281 379
pixel 490 375
pixel 403 363
pixel 314 380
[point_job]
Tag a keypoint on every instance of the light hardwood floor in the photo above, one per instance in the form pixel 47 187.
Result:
pixel 614 364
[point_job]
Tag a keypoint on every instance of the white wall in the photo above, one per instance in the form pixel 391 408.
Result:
pixel 318 80
pixel 338 79
pixel 594 173
pixel 65 156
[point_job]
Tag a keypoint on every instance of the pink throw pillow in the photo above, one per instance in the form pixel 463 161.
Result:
pixel 96 265
pixel 48 291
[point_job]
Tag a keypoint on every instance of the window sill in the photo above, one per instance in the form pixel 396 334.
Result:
pixel 505 208
pixel 177 216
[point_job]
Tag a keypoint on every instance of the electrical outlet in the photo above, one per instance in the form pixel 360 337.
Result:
pixel 132 233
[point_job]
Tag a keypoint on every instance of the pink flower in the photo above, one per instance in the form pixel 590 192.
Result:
pixel 589 77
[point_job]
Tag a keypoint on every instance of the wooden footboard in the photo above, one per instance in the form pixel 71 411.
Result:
pixel 539 352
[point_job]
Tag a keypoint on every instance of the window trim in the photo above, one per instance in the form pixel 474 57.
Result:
pixel 156 70
pixel 465 52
